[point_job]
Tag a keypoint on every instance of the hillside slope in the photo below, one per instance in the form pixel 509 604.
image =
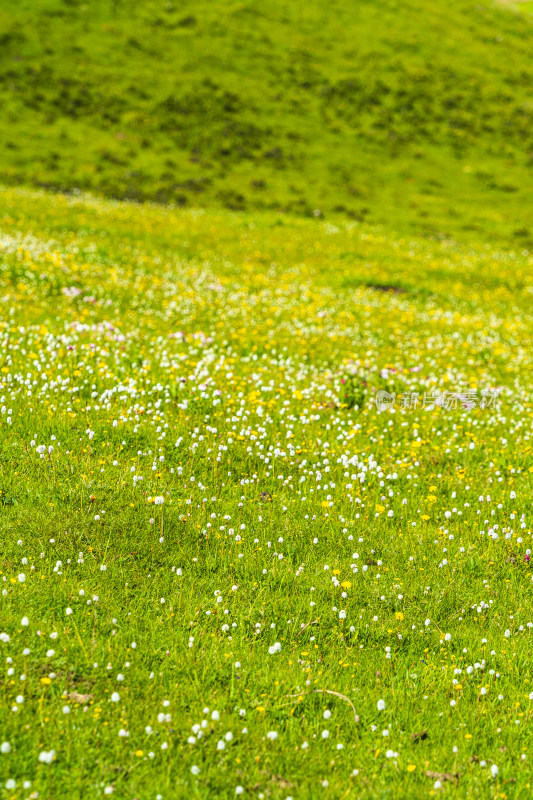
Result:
pixel 410 114
pixel 192 408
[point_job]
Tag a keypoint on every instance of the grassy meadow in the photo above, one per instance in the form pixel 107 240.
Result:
pixel 266 418
pixel 226 569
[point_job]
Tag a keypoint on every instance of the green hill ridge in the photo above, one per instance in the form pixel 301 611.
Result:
pixel 414 115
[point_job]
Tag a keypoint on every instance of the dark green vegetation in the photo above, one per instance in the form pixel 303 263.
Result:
pixel 415 114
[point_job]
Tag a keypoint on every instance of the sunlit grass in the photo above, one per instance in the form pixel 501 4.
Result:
pixel 224 568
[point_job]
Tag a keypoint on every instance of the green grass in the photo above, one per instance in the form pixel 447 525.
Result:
pixel 245 351
pixel 416 115
pixel 225 569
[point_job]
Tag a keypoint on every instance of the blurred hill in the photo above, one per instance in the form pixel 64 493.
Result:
pixel 413 114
